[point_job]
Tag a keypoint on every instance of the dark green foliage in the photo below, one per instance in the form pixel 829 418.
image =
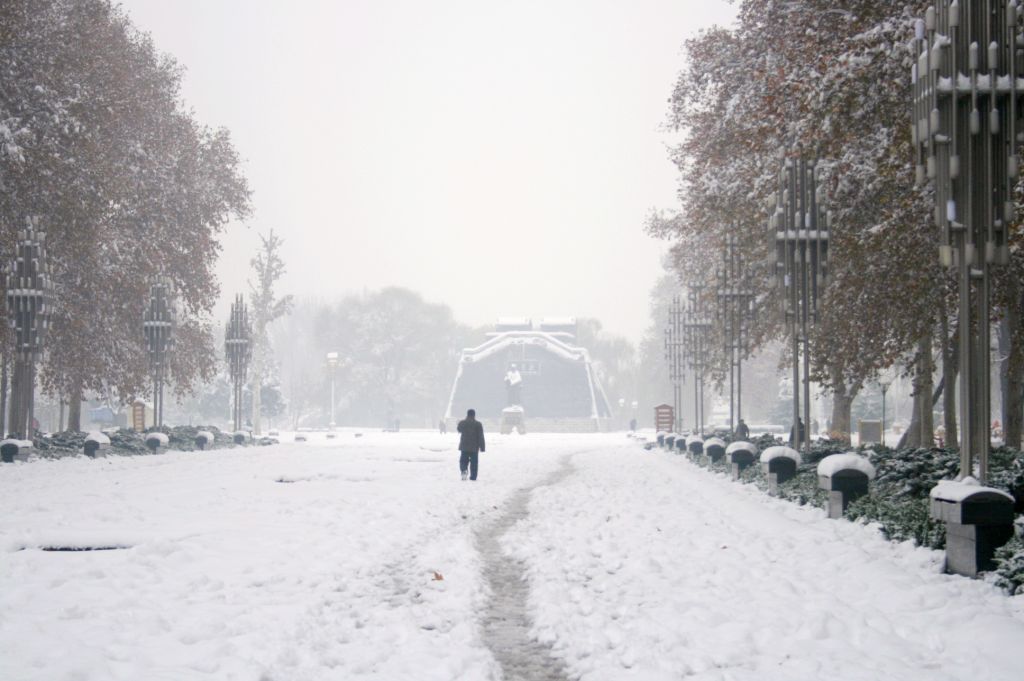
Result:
pixel 129 442
pixel 1010 570
pixel 901 519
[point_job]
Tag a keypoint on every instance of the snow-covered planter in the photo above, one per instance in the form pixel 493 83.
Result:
pixel 204 439
pixel 779 464
pixel 978 520
pixel 660 437
pixel 670 441
pixel 695 445
pixel 714 449
pixel 240 437
pixel 12 450
pixel 740 455
pixel 96 444
pixel 157 441
pixel 845 477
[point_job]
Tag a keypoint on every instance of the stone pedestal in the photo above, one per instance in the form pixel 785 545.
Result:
pixel 978 521
pixel 778 471
pixel 843 487
pixel 741 456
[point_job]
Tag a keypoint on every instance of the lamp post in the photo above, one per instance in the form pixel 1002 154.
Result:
pixel 29 306
pixel 734 312
pixel 332 364
pixel 696 329
pixel 158 327
pixel 800 228
pixel 675 356
pixel 238 352
pixel 966 130
pixel 883 385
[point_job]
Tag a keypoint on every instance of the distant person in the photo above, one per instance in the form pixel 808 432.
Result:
pixel 471 443
pixel 442 427
pixel 742 430
pixel 797 431
pixel 632 425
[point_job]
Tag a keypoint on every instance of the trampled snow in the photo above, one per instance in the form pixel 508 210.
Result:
pixel 360 559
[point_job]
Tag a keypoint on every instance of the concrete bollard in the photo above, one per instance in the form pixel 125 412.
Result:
pixel 695 445
pixel 779 464
pixel 155 441
pixel 714 449
pixel 845 477
pixel 240 437
pixel 670 441
pixel 96 445
pixel 12 450
pixel 740 455
pixel 680 445
pixel 661 438
pixel 204 439
pixel 978 521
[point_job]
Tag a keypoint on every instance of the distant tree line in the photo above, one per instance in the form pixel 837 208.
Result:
pixel 834 77
pixel 97 144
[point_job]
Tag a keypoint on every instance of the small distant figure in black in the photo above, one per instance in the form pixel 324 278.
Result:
pixel 797 431
pixel 632 425
pixel 442 427
pixel 742 431
pixel 471 443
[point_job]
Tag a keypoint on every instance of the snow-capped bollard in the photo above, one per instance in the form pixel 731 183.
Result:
pixel 670 441
pixel 204 439
pixel 12 450
pixel 714 449
pixel 96 444
pixel 661 438
pixel 240 437
pixel 740 455
pixel 681 445
pixel 300 438
pixel 845 477
pixel 978 521
pixel 695 445
pixel 156 441
pixel 779 464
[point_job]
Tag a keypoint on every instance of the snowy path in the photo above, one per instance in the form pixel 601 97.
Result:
pixel 645 566
pixel 368 559
pixel 506 621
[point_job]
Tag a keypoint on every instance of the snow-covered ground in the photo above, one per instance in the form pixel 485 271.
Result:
pixel 360 558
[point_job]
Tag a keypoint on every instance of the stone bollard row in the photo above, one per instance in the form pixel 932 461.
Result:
pixel 978 521
pixel 779 465
pixel 845 477
pixel 12 450
pixel 740 455
pixel 714 449
pixel 96 445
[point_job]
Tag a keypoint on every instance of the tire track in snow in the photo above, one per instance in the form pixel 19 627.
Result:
pixel 506 622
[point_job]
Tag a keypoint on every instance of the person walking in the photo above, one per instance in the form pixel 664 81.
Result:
pixel 742 431
pixel 797 434
pixel 471 443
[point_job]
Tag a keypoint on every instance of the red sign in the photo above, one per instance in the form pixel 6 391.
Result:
pixel 664 417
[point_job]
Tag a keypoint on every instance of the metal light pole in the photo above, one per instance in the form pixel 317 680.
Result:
pixel 29 306
pixel 675 355
pixel 734 312
pixel 800 227
pixel 966 132
pixel 696 330
pixel 332 364
pixel 238 351
pixel 158 327
pixel 884 387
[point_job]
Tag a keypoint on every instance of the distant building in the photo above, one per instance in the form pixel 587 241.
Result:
pixel 538 368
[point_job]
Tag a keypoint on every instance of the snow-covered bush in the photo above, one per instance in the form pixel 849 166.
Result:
pixel 901 518
pixel 1010 561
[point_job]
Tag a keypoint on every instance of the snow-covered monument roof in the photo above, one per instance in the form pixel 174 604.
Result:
pixel 558 391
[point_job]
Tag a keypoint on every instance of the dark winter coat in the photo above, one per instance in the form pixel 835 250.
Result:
pixel 472 439
pixel 742 432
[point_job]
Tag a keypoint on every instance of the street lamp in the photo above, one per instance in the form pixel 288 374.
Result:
pixel 675 354
pixel 332 363
pixel 734 312
pixel 696 329
pixel 238 352
pixel 158 327
pixel 29 306
pixel 883 385
pixel 966 132
pixel 800 228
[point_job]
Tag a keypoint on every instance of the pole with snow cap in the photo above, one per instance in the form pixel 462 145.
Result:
pixel 734 312
pixel 966 90
pixel 676 357
pixel 696 329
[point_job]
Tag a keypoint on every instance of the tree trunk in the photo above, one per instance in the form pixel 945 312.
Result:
pixel 3 396
pixel 1011 370
pixel 950 369
pixel 926 369
pixel 842 404
pixel 75 409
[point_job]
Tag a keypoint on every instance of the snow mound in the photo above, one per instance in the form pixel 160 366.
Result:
pixel 714 442
pixel 780 452
pixel 205 435
pixel 159 437
pixel 958 491
pixel 834 463
pixel 741 445
pixel 693 439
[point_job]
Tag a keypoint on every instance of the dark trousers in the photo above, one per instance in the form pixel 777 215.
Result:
pixel 470 460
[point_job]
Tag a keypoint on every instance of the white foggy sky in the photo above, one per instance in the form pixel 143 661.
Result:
pixel 498 157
